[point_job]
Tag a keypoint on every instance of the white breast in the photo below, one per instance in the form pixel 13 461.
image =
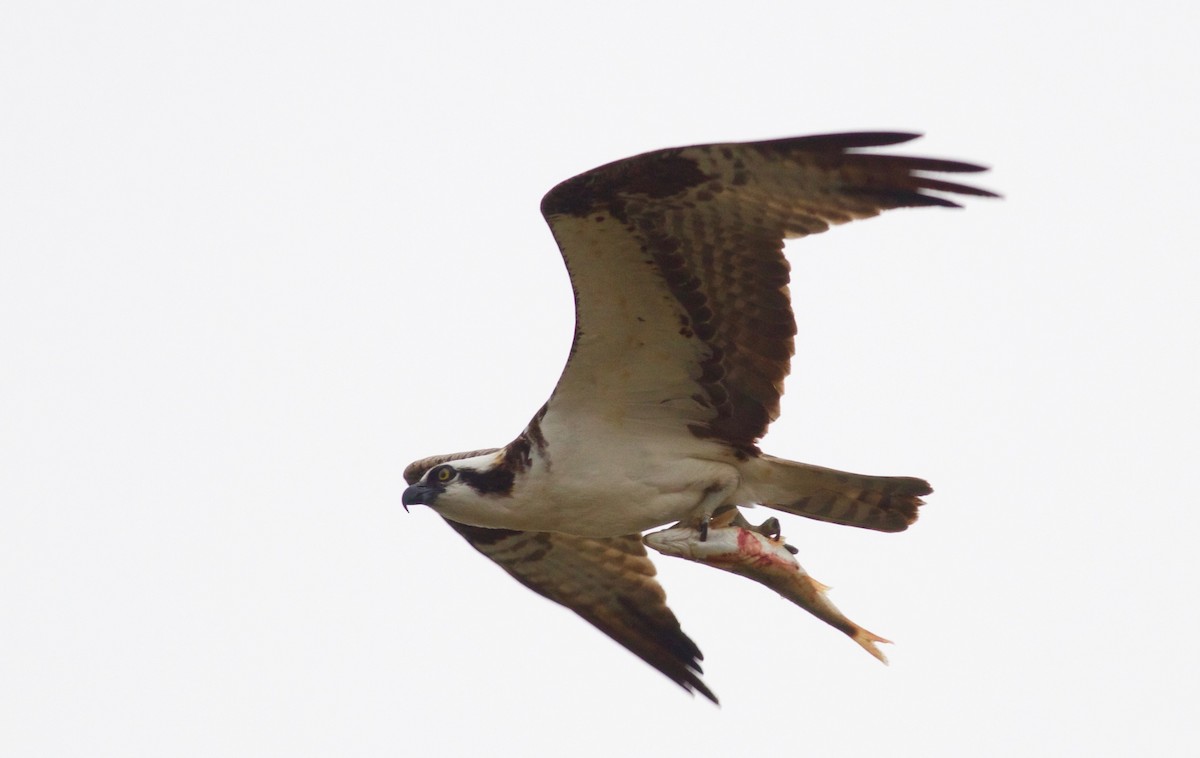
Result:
pixel 606 477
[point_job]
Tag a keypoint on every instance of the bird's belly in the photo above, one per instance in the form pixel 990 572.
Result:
pixel 616 497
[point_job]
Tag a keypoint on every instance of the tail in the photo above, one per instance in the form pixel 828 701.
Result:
pixel 868 640
pixel 883 503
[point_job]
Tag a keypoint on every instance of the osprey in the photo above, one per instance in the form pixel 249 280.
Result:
pixel 683 336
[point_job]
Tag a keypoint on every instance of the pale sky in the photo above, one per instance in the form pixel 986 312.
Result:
pixel 256 257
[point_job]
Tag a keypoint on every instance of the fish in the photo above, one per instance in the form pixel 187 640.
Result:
pixel 759 553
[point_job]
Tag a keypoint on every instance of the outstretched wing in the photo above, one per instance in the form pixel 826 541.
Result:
pixel 676 258
pixel 609 582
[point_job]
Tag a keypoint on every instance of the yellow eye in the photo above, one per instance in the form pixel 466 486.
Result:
pixel 444 474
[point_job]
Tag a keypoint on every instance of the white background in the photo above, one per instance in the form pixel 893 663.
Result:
pixel 256 257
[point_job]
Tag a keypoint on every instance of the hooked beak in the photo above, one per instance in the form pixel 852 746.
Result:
pixel 418 494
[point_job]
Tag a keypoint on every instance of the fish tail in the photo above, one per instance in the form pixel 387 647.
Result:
pixel 867 640
pixel 834 617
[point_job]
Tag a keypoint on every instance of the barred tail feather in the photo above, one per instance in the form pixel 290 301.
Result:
pixel 883 503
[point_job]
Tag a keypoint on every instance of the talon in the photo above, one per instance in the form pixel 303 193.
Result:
pixel 790 549
pixel 770 528
pixel 724 516
pixel 704 530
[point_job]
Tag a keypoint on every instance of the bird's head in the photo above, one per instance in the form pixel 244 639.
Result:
pixel 460 488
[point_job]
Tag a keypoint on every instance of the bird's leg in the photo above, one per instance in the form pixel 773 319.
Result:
pixel 722 517
pixel 772 531
pixel 769 528
pixel 713 504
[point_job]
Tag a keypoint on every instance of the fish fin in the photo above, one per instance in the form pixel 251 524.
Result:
pixel 867 640
pixel 820 586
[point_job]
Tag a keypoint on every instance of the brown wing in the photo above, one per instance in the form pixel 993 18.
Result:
pixel 682 307
pixel 608 582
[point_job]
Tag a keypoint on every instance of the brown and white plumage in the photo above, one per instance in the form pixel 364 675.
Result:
pixel 682 250
pixel 609 582
pixel 684 335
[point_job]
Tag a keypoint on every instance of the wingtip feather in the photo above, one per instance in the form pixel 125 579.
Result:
pixel 837 141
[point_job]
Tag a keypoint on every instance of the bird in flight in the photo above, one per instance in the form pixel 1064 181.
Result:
pixel 683 337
